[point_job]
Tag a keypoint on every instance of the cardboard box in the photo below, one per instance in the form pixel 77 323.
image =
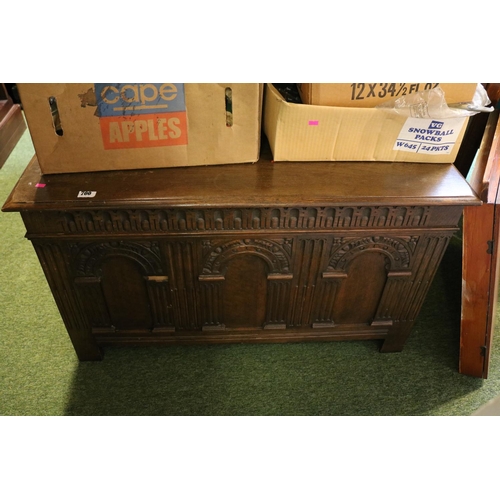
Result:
pixel 81 127
pixel 303 132
pixel 369 95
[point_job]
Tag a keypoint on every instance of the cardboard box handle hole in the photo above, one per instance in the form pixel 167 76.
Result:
pixel 229 107
pixel 56 119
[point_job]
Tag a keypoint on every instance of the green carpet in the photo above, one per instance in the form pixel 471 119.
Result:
pixel 40 374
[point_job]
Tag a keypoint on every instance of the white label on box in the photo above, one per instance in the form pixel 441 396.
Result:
pixel 429 136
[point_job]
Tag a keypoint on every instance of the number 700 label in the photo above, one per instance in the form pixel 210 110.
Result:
pixel 86 194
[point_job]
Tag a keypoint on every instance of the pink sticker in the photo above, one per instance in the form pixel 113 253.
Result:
pixel 313 122
pixel 40 185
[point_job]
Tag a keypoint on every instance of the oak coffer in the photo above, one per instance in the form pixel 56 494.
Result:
pixel 264 252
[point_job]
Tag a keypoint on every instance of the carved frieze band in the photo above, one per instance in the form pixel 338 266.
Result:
pixel 231 219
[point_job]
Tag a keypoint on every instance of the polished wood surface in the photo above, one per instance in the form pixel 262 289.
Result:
pixel 262 184
pixel 268 252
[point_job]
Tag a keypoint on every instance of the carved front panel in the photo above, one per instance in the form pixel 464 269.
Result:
pixel 224 273
pixel 230 284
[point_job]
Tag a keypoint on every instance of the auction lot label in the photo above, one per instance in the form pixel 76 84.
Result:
pixel 429 136
pixel 141 115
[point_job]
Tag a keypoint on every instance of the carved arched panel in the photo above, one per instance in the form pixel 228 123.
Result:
pixel 245 282
pixel 122 286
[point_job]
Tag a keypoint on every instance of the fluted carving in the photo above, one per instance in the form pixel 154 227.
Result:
pixel 184 259
pixel 309 256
